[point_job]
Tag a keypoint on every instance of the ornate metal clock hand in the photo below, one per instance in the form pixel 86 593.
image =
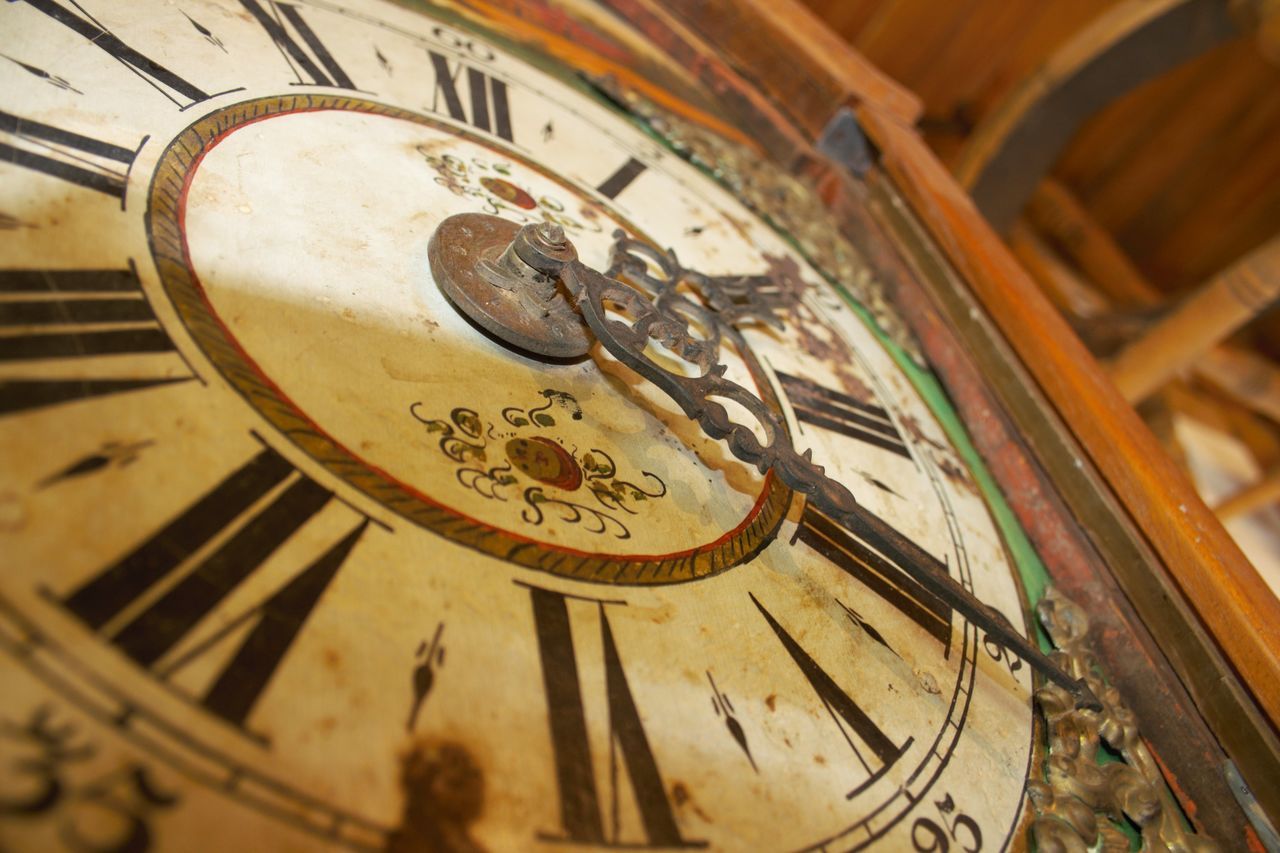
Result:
pixel 539 253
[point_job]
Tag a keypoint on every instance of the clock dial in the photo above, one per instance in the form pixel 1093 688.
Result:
pixel 295 551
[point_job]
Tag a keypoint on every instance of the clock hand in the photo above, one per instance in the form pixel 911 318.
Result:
pixel 540 253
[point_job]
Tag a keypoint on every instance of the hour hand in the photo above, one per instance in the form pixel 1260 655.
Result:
pixel 541 256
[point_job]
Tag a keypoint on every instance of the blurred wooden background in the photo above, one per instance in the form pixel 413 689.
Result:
pixel 1155 195
pixel 1184 172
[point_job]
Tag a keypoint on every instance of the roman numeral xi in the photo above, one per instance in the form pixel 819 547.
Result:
pixel 154 597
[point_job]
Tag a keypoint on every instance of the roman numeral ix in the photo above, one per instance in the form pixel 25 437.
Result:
pixel 52 316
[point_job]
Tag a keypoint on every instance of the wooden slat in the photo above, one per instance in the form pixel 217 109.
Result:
pixel 1058 214
pixel 1226 591
pixel 1020 140
pixel 1068 292
pixel 1264 492
pixel 1216 310
pixel 808 70
pixel 1250 378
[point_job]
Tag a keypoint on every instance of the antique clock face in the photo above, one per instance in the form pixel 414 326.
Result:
pixel 296 553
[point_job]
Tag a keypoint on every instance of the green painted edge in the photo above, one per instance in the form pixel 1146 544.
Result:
pixel 1031 569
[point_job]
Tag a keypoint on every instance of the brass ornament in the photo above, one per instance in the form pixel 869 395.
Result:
pixel 1078 797
pixel 787 202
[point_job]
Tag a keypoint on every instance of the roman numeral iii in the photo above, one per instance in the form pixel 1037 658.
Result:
pixel 841 413
pixel 73 157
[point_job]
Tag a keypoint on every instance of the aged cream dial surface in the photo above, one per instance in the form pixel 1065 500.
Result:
pixel 295 555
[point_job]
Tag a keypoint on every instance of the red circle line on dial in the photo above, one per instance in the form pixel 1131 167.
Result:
pixel 166 218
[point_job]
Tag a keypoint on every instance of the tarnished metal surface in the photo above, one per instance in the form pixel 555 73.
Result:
pixel 1078 794
pixel 483 265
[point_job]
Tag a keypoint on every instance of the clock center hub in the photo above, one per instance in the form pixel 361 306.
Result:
pixel 495 273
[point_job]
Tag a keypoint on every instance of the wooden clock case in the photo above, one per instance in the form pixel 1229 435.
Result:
pixel 1181 621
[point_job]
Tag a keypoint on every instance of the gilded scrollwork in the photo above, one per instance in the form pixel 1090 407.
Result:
pixel 494 184
pixel 538 467
pixel 1079 800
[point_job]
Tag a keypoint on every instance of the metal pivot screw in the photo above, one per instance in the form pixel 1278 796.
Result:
pixel 532 262
pixel 505 278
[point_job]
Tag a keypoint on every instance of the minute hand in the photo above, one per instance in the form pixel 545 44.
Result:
pixel 627 342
